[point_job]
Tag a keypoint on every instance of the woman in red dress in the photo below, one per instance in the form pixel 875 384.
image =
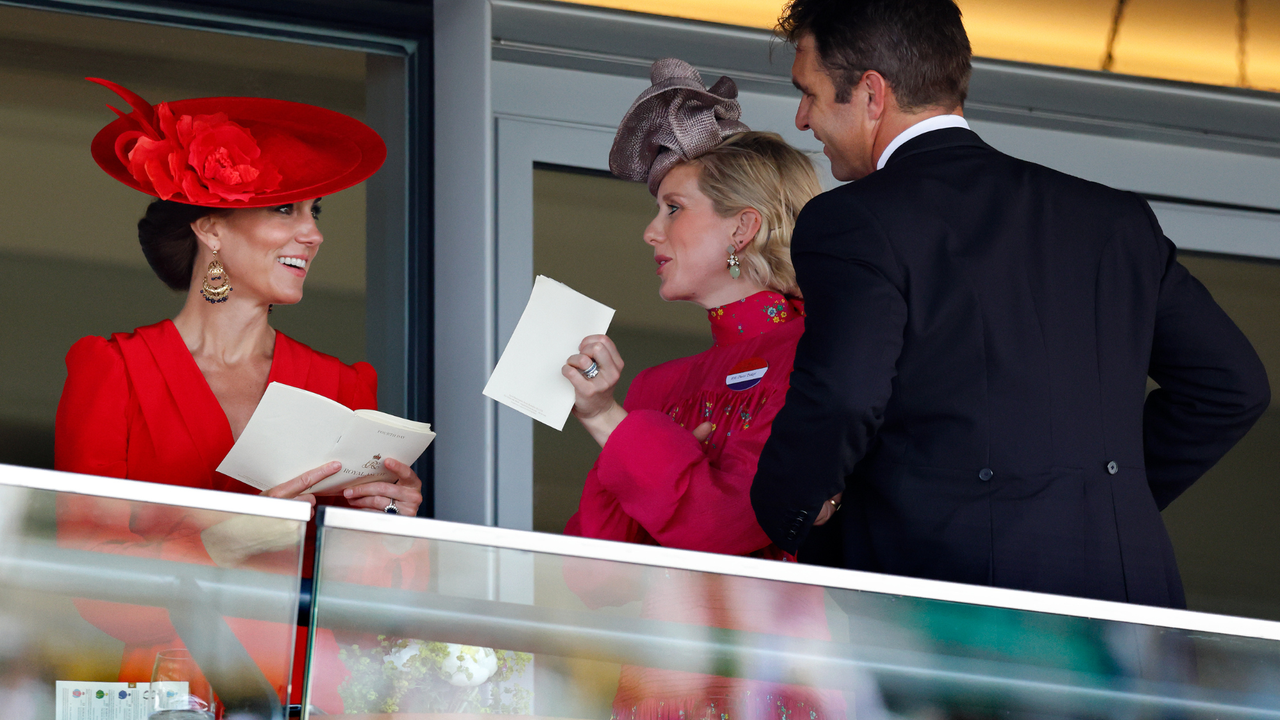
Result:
pixel 677 459
pixel 235 229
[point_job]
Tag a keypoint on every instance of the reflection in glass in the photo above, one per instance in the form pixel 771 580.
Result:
pixel 628 640
pixel 179 691
pixel 707 602
pixel 90 586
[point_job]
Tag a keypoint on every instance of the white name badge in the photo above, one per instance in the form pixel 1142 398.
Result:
pixel 746 374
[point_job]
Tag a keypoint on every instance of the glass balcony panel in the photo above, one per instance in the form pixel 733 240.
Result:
pixel 95 580
pixel 482 620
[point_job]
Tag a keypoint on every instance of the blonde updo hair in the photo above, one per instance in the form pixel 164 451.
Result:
pixel 760 170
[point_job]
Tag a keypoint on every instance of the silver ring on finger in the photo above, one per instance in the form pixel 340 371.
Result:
pixel 391 508
pixel 591 372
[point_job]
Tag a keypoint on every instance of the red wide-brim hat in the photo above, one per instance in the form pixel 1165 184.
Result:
pixel 235 152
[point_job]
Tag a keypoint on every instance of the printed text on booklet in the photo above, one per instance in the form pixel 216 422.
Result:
pixel 293 431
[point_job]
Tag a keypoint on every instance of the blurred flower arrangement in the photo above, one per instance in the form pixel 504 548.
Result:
pixel 405 675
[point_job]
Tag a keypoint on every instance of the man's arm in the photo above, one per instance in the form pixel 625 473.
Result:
pixel 1213 386
pixel 844 366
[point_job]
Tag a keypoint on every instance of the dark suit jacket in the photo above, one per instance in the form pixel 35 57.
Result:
pixel 972 376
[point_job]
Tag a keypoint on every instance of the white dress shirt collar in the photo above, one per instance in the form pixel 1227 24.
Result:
pixel 937 122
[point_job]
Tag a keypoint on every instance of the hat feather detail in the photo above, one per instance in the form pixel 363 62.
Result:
pixel 143 112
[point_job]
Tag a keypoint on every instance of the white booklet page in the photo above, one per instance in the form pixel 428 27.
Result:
pixel 553 324
pixel 294 430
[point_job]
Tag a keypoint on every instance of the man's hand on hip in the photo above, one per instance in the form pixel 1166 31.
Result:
pixel 829 508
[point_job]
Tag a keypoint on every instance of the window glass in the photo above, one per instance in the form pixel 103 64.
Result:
pixel 1223 527
pixel 69 259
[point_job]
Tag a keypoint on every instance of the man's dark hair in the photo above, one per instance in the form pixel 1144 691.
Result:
pixel 919 46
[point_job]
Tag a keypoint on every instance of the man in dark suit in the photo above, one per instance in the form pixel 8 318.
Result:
pixel 979 332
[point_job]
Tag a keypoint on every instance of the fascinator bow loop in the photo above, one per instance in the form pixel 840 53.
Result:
pixel 676 120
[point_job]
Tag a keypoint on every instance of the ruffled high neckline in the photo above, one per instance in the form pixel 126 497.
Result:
pixel 751 316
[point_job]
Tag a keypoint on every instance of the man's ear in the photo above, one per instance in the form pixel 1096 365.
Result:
pixel 879 95
pixel 749 222
pixel 208 231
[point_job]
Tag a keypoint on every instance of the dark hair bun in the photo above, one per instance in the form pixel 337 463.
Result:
pixel 168 242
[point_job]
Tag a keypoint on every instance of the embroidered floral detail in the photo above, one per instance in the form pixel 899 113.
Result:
pixel 727 411
pixel 751 316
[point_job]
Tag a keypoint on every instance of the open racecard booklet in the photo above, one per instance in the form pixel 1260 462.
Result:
pixel 293 431
pixel 553 324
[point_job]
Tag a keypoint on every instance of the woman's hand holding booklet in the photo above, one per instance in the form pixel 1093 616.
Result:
pixel 294 430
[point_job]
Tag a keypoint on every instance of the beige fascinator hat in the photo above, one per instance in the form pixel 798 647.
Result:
pixel 672 122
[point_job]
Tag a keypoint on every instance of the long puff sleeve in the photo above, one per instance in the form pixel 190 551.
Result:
pixel 601 516
pixel 663 478
pixel 91 433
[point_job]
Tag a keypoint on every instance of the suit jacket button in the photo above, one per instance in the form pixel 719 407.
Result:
pixel 985 474
pixel 791 535
pixel 1112 468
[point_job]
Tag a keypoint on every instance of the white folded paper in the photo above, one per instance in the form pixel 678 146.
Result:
pixel 528 377
pixel 293 430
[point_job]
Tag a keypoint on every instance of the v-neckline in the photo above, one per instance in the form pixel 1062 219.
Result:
pixel 203 388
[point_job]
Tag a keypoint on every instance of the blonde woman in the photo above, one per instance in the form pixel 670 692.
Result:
pixel 677 458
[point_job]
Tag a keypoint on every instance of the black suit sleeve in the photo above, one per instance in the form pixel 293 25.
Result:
pixel 1213 386
pixel 844 366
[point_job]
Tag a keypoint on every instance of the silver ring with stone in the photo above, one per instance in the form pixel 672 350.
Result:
pixel 591 372
pixel 391 508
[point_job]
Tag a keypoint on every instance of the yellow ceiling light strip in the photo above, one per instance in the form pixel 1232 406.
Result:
pixel 744 13
pixel 1190 40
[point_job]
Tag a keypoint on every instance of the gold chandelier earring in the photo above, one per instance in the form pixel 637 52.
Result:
pixel 734 270
pixel 217 283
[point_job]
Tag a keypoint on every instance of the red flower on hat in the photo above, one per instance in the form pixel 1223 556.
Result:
pixel 199 159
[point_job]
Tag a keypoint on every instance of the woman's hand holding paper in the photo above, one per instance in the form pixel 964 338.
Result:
pixel 231 542
pixel 593 402
pixel 406 491
pixel 296 489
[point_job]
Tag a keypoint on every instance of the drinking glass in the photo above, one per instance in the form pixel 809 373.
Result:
pixel 179 691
